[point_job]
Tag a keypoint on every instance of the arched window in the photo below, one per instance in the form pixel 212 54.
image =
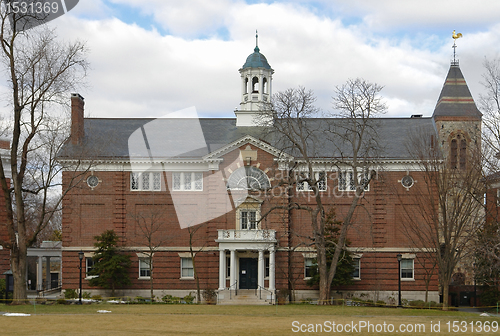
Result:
pixel 255 85
pixel 458 152
pixel 250 178
pixel 246 85
pixel 264 82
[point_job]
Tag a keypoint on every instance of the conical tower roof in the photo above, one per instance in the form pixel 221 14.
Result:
pixel 455 99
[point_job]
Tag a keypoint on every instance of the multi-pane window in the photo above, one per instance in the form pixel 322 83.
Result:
pixel 228 267
pixel 304 186
pixel 89 265
pixel 187 270
pixel 248 219
pixel 144 269
pixel 145 181
pixel 407 269
pixel 309 267
pixel 348 183
pixel 266 266
pixel 356 263
pixel 187 181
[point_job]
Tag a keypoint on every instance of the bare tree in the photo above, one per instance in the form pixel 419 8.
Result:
pixel 446 208
pixel 346 141
pixel 41 72
pixel 153 232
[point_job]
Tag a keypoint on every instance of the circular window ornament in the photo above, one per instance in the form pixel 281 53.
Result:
pixel 92 181
pixel 407 181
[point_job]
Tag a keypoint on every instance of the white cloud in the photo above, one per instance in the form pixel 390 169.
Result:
pixel 137 72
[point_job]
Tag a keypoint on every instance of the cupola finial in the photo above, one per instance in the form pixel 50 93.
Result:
pixel 256 41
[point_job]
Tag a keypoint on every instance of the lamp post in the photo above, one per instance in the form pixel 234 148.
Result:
pixel 399 256
pixel 80 256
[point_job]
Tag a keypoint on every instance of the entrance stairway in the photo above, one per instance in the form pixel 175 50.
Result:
pixel 245 297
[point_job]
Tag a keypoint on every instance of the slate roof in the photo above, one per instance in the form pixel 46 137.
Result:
pixel 455 98
pixel 195 138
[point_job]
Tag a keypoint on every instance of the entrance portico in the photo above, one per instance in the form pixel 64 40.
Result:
pixel 247 259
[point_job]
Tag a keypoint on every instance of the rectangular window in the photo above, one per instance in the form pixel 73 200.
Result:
pixel 228 267
pixel 304 186
pixel 187 181
pixel 347 183
pixel 266 272
pixel 407 269
pixel 144 269
pixel 89 266
pixel 248 220
pixel 356 274
pixel 309 267
pixel 142 181
pixel 187 270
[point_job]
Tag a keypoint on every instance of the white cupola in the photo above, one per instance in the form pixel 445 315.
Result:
pixel 256 78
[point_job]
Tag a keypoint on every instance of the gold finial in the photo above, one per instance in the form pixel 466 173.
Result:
pixel 456 36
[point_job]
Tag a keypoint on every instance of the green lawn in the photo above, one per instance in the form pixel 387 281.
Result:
pixel 159 319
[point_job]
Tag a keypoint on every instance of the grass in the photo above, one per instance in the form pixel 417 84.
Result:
pixel 214 320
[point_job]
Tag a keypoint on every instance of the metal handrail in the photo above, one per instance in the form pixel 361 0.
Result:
pixel 260 288
pixel 235 289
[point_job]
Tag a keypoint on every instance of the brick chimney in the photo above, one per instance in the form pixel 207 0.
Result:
pixel 77 131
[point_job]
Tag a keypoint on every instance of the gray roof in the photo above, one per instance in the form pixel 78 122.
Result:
pixel 195 138
pixel 455 98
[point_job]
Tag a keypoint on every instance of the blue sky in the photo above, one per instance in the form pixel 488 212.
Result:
pixel 150 58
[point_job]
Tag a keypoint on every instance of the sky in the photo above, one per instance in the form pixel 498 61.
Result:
pixel 151 58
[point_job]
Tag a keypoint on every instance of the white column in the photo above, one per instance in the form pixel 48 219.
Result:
pixel 47 273
pixel 260 269
pixel 39 274
pixel 222 269
pixel 261 87
pixel 272 284
pixel 243 85
pixel 232 278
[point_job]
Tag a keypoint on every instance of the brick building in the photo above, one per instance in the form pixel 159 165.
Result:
pixel 202 184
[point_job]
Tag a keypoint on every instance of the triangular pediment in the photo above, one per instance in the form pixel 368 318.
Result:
pixel 248 139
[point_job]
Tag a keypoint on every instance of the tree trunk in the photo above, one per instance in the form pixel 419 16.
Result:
pixel 324 286
pixel 18 267
pixel 151 279
pixel 446 289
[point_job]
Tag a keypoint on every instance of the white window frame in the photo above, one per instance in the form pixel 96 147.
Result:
pixel 304 186
pixel 349 184
pixel 251 224
pixel 144 266
pixel 407 268
pixel 88 268
pixel 187 181
pixel 187 268
pixel 357 266
pixel 308 263
pixel 146 181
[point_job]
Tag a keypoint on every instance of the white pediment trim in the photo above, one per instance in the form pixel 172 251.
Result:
pixel 247 139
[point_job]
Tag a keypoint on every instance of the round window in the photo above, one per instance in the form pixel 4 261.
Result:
pixel 407 181
pixel 92 181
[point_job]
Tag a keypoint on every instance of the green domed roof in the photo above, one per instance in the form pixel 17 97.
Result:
pixel 256 60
